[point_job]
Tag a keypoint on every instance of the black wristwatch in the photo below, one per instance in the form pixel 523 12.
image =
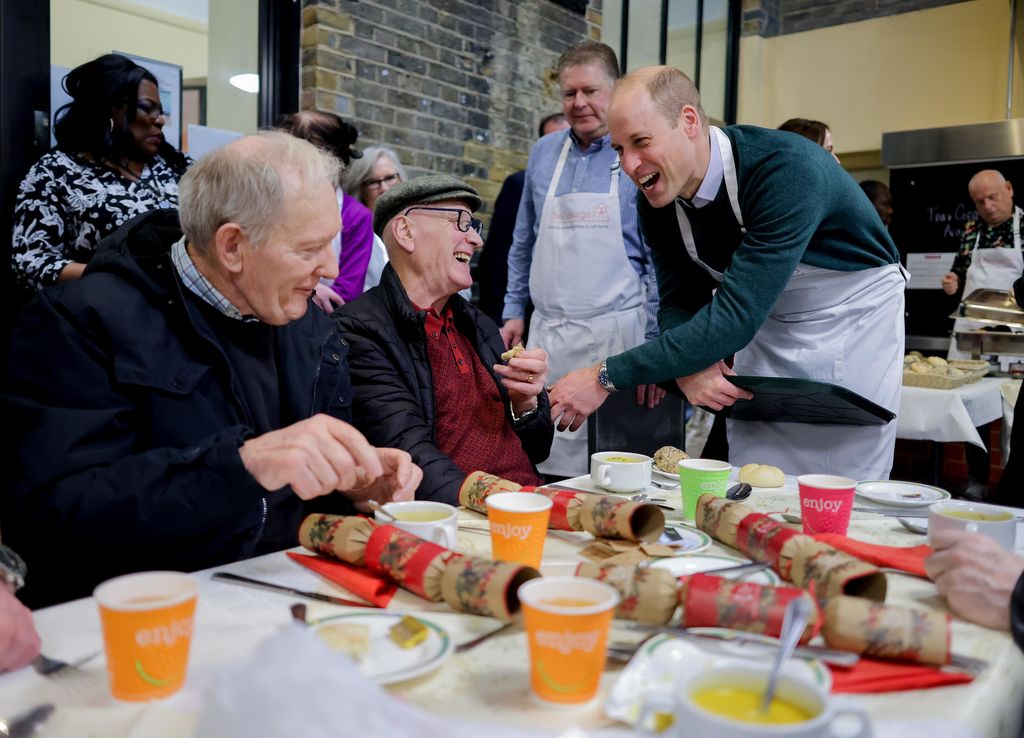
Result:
pixel 12 568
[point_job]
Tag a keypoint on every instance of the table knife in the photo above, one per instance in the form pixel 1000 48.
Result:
pixel 247 582
pixel 27 723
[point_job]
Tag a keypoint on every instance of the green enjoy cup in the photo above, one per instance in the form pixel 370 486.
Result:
pixel 701 477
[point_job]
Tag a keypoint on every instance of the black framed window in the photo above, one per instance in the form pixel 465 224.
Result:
pixel 700 37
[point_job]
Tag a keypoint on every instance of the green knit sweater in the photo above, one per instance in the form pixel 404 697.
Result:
pixel 798 206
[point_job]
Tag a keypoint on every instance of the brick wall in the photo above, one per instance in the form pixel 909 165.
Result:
pixel 455 86
pixel 778 17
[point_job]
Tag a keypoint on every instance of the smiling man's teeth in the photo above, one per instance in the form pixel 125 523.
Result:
pixel 648 179
pixel 464 258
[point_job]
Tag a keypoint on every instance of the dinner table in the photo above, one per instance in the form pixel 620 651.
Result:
pixel 490 682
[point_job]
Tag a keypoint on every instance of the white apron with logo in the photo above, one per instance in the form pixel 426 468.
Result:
pixel 993 269
pixel 588 300
pixel 845 328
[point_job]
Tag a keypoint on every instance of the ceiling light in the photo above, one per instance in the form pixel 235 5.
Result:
pixel 246 82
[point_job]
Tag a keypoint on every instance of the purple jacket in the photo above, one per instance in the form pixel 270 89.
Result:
pixel 356 246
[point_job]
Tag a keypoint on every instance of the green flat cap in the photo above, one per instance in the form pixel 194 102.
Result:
pixel 421 191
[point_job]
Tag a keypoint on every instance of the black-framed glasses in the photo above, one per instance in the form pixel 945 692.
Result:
pixel 376 184
pixel 463 222
pixel 153 109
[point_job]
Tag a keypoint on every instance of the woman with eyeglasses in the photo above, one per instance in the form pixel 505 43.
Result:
pixel 111 164
pixel 377 172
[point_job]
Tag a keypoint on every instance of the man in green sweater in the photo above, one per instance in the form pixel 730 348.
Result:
pixel 763 248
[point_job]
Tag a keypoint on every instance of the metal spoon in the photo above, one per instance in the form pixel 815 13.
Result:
pixel 794 620
pixel 383 513
pixel 913 527
pixel 663 485
pixel 739 491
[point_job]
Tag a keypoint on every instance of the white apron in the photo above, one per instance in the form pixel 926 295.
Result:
pixel 588 300
pixel 994 269
pixel 845 328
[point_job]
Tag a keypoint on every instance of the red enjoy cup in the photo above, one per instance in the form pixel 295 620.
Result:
pixel 825 503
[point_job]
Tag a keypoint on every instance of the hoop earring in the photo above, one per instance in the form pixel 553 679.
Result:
pixel 111 125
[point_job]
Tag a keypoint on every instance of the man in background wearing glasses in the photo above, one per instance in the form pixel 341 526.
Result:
pixel 426 365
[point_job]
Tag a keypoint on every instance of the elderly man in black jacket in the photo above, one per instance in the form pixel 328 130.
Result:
pixel 426 365
pixel 174 407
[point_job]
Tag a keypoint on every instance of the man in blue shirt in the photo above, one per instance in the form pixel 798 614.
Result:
pixel 577 251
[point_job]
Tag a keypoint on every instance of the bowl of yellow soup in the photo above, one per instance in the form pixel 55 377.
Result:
pixel 620 471
pixel 725 702
pixel 993 521
pixel 433 521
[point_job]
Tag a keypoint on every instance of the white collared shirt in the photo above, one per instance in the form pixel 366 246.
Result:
pixel 712 179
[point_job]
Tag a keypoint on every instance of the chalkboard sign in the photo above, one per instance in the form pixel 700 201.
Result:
pixel 930 208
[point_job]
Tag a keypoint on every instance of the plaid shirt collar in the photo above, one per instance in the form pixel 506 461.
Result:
pixel 200 286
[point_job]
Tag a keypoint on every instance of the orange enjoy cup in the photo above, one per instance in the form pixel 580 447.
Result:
pixel 567 621
pixel 147 629
pixel 519 525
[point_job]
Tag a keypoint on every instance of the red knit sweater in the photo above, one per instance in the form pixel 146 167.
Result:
pixel 469 415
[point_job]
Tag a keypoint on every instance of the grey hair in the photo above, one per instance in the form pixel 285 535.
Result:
pixel 249 182
pixel 361 169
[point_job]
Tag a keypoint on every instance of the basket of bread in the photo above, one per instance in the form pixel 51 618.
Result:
pixel 977 368
pixel 934 372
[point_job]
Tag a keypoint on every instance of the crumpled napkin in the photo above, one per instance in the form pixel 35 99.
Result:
pixel 615 551
pixel 292 684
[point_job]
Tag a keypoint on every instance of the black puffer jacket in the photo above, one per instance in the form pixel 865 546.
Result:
pixel 127 421
pixel 394 395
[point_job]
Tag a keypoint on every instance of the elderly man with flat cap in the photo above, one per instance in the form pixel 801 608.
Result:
pixel 426 365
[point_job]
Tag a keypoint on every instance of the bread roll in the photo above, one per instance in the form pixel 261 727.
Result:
pixel 921 367
pixel 762 475
pixel 511 353
pixel 936 361
pixel 666 458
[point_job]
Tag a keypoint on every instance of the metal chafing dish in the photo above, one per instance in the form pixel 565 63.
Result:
pixel 979 343
pixel 991 306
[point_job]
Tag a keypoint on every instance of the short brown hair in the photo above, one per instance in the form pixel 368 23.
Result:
pixel 590 52
pixel 670 90
pixel 813 130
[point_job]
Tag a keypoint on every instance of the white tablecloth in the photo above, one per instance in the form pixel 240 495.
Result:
pixel 949 415
pixel 491 681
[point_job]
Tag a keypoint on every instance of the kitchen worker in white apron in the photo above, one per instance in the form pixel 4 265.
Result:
pixel 764 248
pixel 990 251
pixel 576 249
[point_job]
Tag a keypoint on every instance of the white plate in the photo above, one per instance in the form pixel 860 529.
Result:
pixel 664 661
pixel 692 540
pixel 682 566
pixel 662 476
pixel 900 494
pixel 387 662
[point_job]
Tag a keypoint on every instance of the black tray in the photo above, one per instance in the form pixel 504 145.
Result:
pixel 783 400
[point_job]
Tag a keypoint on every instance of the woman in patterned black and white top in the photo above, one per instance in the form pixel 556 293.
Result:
pixel 111 164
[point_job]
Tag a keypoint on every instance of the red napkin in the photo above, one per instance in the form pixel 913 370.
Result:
pixel 356 579
pixel 910 559
pixel 872 675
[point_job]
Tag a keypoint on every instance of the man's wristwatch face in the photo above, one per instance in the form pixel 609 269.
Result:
pixel 602 378
pixel 12 568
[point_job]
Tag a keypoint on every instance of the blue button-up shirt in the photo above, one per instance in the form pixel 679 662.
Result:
pixel 585 171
